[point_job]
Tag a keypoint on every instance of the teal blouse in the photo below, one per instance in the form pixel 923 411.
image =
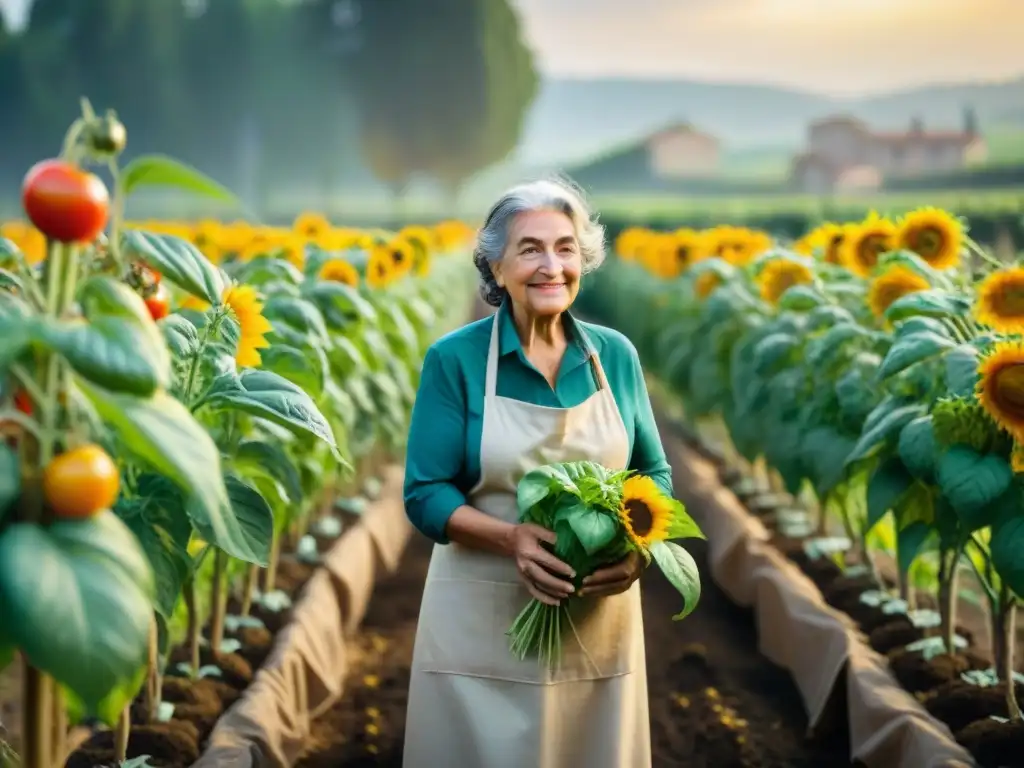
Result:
pixel 443 450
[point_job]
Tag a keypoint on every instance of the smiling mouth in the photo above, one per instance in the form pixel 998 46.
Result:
pixel 547 286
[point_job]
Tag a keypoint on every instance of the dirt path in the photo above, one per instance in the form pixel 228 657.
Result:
pixel 713 699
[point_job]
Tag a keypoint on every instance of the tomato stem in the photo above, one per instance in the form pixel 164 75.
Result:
pixel 218 600
pixel 116 214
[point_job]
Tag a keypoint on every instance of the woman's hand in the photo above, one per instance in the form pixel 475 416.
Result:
pixel 613 579
pixel 538 567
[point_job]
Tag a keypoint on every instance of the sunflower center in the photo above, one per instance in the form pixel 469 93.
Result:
pixel 683 254
pixel 1009 389
pixel 1009 301
pixel 871 247
pixel 640 516
pixel 927 243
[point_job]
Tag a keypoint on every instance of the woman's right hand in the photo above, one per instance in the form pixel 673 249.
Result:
pixel 538 568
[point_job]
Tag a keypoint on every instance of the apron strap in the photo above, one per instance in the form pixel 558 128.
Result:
pixel 491 378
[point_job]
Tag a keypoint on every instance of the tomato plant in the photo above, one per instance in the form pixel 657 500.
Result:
pixel 64 202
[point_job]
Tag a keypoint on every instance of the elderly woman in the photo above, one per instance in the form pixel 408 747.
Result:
pixel 529 386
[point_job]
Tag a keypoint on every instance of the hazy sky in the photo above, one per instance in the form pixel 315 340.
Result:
pixel 833 46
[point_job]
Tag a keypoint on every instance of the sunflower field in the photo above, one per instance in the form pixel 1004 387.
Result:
pixel 182 405
pixel 874 371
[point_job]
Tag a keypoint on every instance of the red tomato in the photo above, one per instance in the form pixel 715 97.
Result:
pixel 23 402
pixel 64 202
pixel 159 302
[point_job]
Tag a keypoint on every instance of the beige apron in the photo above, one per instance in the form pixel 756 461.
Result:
pixel 472 704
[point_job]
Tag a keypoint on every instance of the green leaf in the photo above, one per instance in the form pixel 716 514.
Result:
pixel 163 171
pixel 917 448
pixel 76 598
pixel 10 479
pixel 772 351
pixel 910 541
pixel 181 336
pixel 341 304
pixel 824 451
pixel 264 270
pixel 178 261
pixel 298 314
pixel 10 281
pixel 681 571
pixel 961 370
pixel 593 528
pixel 885 423
pixel 682 525
pixel 161 432
pixel 158 518
pixel 272 397
pixel 305 368
pixel 1007 551
pixel 887 485
pixel 119 347
pixel 268 459
pixel 931 303
pixel 800 298
pixel 909 350
pixel 970 481
pixel 253 520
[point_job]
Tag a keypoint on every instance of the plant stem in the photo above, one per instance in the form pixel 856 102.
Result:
pixel 153 672
pixel 251 576
pixel 60 727
pixel 949 577
pixel 37 731
pixel 218 600
pixel 1007 626
pixel 121 734
pixel 270 574
pixel 193 630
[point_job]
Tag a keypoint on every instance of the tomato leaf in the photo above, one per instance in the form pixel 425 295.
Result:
pixel 917 448
pixel 272 397
pixel 162 171
pixel 1007 548
pixel 161 432
pixel 594 529
pixel 178 261
pixel 269 459
pixel 306 368
pixel 76 597
pixel 971 481
pixel 254 520
pixel 158 519
pixel 889 481
pixel 681 571
pixel 181 336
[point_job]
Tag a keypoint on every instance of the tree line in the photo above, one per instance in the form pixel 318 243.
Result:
pixel 316 91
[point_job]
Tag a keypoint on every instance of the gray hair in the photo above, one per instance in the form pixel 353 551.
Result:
pixel 547 194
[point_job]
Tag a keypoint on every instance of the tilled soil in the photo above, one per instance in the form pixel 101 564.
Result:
pixel 713 699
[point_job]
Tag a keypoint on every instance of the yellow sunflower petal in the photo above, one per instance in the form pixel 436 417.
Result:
pixel 779 275
pixel 891 285
pixel 645 512
pixel 934 235
pixel 1000 388
pixel 1000 302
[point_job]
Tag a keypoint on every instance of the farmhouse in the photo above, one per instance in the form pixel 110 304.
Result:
pixel 665 159
pixel 844 154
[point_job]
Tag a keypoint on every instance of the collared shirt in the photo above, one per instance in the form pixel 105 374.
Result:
pixel 443 449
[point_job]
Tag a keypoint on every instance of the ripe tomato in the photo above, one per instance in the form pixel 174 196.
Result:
pixel 81 482
pixel 64 202
pixel 23 402
pixel 159 302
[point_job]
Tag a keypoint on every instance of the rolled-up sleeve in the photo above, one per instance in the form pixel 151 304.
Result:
pixel 648 452
pixel 435 450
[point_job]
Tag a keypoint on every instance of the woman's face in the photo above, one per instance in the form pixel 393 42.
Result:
pixel 542 263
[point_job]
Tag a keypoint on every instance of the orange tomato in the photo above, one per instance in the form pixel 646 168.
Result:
pixel 81 482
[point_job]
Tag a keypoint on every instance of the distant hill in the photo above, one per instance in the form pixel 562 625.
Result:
pixel 572 120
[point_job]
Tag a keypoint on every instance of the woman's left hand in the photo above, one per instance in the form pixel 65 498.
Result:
pixel 613 579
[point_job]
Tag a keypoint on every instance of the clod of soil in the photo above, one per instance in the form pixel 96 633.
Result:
pixel 257 643
pixel 235 670
pixel 919 675
pixel 958 704
pixel 995 744
pixel 169 745
pixel 898 632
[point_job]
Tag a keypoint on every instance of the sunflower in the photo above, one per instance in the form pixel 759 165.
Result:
pixel 339 271
pixel 1000 388
pixel 779 275
pixel 252 325
pixel 629 241
pixel 825 242
pixel 893 284
pixel 29 240
pixel 293 250
pixel 689 248
pixel 865 243
pixel 312 226
pixel 379 267
pixel 1017 458
pixel 403 255
pixel 1000 303
pixel 645 513
pixel 706 283
pixel 932 234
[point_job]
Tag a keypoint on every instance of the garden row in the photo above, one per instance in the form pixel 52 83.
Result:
pixel 185 407
pixel 876 382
